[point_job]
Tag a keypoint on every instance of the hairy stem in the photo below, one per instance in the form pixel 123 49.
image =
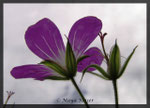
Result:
pixel 6 101
pixel 102 42
pixel 115 93
pixel 77 88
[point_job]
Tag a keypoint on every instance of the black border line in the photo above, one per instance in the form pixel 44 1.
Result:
pixel 70 105
pixel 75 1
pixel 1 53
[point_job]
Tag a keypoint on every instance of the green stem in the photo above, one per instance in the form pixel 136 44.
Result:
pixel 6 101
pixel 116 93
pixel 106 57
pixel 77 88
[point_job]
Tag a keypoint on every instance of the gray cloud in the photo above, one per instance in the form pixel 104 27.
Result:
pixel 124 22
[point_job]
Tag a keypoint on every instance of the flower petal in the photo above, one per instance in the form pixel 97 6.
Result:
pixel 83 32
pixel 95 57
pixel 44 39
pixel 39 72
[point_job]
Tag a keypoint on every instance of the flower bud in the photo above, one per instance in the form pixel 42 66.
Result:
pixel 114 61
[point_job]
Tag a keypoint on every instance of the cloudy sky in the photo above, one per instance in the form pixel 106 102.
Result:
pixel 124 22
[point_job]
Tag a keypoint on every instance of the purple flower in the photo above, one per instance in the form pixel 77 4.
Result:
pixel 44 40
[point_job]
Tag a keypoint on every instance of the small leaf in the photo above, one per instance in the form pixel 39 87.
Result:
pixel 101 70
pixel 114 61
pixel 126 63
pixel 55 67
pixel 56 78
pixel 82 58
pixel 71 62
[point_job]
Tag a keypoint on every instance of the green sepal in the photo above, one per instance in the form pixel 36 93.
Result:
pixel 114 61
pixel 71 62
pixel 56 78
pixel 101 70
pixel 126 63
pixel 54 66
pixel 98 75
pixel 82 58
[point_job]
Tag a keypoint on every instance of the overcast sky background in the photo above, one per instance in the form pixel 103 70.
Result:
pixel 124 22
